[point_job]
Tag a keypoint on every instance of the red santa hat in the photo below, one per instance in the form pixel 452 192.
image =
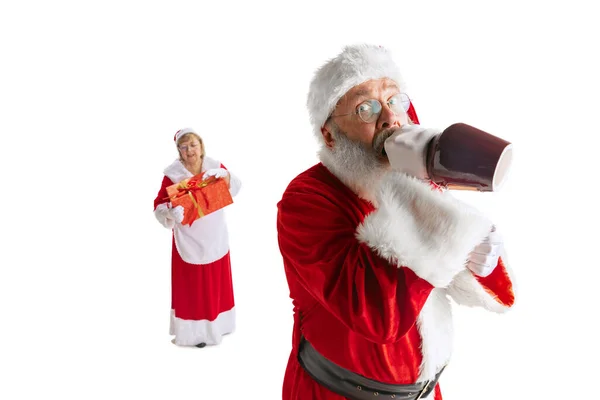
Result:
pixel 356 64
pixel 182 132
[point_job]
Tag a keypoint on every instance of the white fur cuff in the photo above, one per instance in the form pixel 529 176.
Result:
pixel 429 232
pixel 467 291
pixel 162 215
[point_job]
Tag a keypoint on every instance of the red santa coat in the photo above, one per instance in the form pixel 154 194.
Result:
pixel 370 286
pixel 202 302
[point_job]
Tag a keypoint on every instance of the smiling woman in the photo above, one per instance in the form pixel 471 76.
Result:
pixel 202 302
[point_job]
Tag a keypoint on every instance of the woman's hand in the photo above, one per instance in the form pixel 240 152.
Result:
pixel 217 173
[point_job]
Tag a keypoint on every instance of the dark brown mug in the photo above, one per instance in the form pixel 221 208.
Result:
pixel 463 157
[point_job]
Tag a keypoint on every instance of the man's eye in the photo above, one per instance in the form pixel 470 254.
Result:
pixel 364 107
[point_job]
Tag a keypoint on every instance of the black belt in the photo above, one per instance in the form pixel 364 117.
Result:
pixel 354 386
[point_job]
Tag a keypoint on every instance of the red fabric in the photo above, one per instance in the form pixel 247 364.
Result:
pixel 201 291
pixel 412 114
pixel 299 385
pixel 161 198
pixel 344 295
pixel 198 291
pixel 499 285
pixel 162 192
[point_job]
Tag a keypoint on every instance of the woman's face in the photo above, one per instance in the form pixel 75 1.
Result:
pixel 190 150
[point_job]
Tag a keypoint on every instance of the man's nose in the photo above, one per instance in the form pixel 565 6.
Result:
pixel 388 118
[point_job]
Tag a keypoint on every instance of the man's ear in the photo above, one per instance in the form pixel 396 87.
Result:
pixel 327 136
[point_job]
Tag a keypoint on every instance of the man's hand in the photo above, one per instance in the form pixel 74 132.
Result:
pixel 406 149
pixel 484 257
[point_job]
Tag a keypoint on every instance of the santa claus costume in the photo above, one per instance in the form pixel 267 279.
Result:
pixel 371 280
pixel 202 300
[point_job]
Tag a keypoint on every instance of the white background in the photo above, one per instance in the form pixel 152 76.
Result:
pixel 91 94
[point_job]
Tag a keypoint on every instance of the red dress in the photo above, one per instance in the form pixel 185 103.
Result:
pixel 202 301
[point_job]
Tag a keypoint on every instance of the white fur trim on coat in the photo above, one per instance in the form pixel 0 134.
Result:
pixel 467 291
pixel 436 330
pixel 356 64
pixel 428 231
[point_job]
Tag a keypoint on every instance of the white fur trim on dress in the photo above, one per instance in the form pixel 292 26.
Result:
pixel 172 323
pixel 177 172
pixel 467 291
pixel 436 330
pixel 182 132
pixel 235 184
pixel 190 332
pixel 425 230
pixel 356 64
pixel 161 212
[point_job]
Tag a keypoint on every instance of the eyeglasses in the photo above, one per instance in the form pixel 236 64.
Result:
pixel 369 110
pixel 185 147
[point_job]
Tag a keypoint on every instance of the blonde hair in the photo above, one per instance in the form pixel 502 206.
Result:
pixel 186 137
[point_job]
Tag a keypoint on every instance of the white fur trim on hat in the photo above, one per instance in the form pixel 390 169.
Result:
pixel 182 132
pixel 356 64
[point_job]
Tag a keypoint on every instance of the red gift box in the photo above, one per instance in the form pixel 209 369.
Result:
pixel 199 197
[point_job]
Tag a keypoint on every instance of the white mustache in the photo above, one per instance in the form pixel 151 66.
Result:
pixel 379 141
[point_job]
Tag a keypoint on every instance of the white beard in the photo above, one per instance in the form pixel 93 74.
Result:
pixel 355 164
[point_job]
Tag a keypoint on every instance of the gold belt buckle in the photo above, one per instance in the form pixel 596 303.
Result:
pixel 423 390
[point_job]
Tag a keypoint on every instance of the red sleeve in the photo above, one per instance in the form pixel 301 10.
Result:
pixel 317 239
pixel 499 285
pixel 162 196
